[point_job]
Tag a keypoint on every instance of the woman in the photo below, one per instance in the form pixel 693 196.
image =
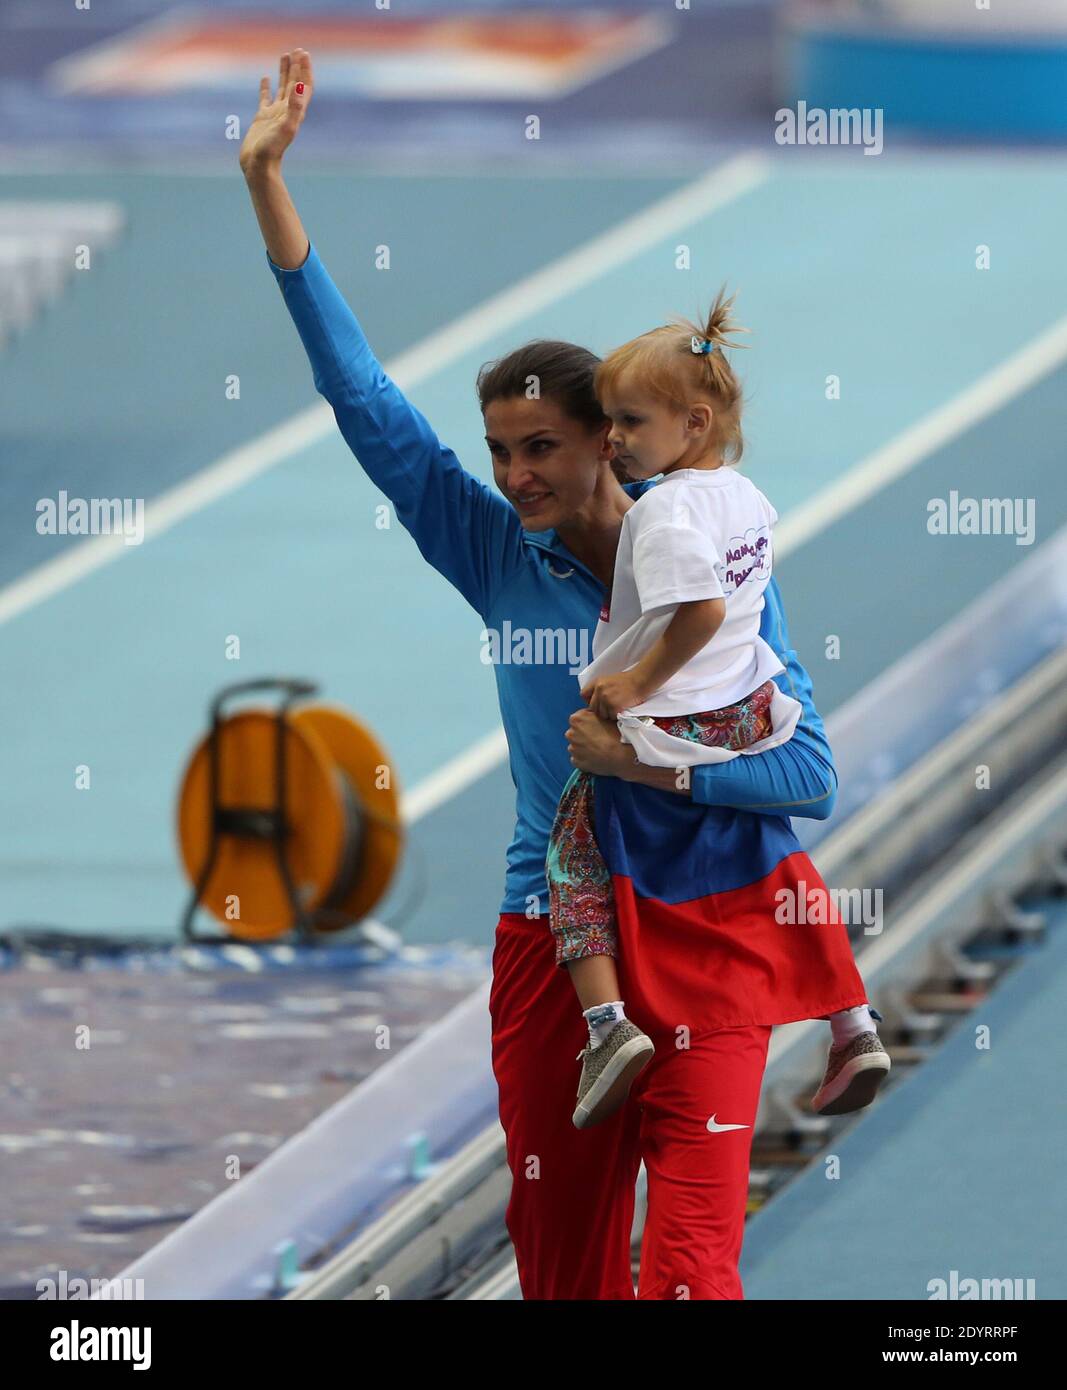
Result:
pixel 538 555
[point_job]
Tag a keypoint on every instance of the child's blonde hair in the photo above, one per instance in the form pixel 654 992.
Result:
pixel 664 363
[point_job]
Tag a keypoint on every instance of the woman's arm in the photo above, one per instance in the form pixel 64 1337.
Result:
pixel 283 232
pixel 272 131
pixel 797 778
pixel 466 530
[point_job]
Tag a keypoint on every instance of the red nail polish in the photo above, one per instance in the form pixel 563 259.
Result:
pixel 300 89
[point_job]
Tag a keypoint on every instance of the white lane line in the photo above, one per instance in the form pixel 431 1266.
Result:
pixel 569 273
pixel 165 511
pixel 460 772
pixel 585 265
pixel 980 400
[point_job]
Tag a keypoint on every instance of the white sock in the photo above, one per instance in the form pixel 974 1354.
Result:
pixel 601 1019
pixel 850 1023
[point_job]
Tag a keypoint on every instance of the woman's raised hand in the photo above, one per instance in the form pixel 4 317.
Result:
pixel 276 122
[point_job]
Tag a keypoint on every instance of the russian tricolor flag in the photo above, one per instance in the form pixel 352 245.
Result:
pixel 723 919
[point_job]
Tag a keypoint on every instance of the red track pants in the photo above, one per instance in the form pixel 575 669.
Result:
pixel 572 1196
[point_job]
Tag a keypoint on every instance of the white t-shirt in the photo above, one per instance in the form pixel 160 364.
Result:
pixel 700 533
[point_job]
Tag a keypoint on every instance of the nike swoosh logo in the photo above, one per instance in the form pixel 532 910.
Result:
pixel 559 574
pixel 720 1129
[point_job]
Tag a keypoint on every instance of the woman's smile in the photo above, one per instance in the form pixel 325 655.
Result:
pixel 529 502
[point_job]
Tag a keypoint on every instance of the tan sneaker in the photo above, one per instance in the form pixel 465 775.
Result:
pixel 608 1072
pixel 854 1072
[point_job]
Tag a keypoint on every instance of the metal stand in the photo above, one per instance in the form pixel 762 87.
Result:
pixel 253 822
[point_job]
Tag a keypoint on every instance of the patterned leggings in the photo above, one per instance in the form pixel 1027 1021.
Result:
pixel 581 899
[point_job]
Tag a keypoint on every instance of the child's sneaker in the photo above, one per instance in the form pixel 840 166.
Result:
pixel 854 1071
pixel 608 1072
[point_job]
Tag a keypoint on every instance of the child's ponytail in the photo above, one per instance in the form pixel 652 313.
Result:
pixel 682 359
pixel 706 345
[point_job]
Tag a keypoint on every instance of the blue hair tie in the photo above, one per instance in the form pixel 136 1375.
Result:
pixel 704 345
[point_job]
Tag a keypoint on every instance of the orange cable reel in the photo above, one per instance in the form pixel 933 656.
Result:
pixel 342 838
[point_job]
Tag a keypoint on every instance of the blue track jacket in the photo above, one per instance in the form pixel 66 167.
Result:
pixel 473 536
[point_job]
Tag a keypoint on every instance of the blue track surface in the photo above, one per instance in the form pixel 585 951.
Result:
pixel 958 1168
pixel 116 671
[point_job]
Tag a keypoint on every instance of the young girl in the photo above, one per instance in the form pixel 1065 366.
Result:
pixel 679 633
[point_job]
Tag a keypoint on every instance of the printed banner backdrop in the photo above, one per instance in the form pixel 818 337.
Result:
pixel 503 55
pixel 619 81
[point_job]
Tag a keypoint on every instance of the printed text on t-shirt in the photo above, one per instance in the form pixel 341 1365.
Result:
pixel 751 547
